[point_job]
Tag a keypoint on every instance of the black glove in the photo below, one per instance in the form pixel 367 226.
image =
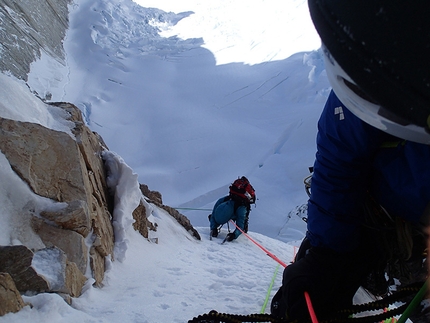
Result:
pixel 230 237
pixel 331 279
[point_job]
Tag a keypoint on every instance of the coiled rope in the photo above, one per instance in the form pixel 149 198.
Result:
pixel 404 295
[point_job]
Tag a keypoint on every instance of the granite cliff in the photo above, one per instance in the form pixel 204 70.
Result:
pixel 60 245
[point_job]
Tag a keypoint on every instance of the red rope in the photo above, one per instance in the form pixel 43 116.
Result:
pixel 271 255
pixel 310 308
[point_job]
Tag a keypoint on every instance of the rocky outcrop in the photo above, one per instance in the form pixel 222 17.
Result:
pixel 182 220
pixel 155 198
pixel 45 270
pixel 141 222
pixel 70 242
pixel 16 261
pixel 76 236
pixel 62 275
pixel 38 155
pixel 10 298
pixel 69 170
pixel 26 28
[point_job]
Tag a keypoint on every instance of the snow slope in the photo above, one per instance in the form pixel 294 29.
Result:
pixel 188 95
pixel 187 119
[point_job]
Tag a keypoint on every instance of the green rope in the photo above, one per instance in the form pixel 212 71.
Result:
pixel 263 309
pixel 414 303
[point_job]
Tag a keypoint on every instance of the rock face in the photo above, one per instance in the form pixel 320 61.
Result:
pixel 26 28
pixel 77 235
pixel 68 243
pixel 71 242
pixel 155 197
pixel 37 155
pixel 10 298
pixel 142 224
pixel 70 170
pixel 64 169
pixel 45 270
pixel 16 261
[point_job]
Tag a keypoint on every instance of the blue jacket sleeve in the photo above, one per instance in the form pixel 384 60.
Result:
pixel 345 148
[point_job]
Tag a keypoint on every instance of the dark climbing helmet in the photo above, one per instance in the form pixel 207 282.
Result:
pixel 377 56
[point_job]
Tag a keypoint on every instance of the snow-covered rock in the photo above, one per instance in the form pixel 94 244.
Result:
pixel 29 28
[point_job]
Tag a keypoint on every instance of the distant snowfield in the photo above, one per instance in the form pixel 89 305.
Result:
pixel 250 32
pixel 189 125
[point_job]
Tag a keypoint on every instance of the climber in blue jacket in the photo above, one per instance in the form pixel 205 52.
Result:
pixel 358 168
pixel 355 162
pixel 226 209
pixel 235 206
pixel 370 188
